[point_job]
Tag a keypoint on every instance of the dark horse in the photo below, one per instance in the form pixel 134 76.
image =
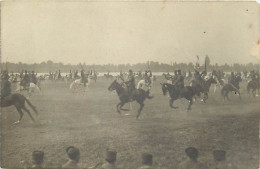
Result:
pixel 188 92
pixel 139 95
pixel 203 87
pixel 253 85
pixel 231 88
pixel 18 101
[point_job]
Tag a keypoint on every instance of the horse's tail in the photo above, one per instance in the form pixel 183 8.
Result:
pixel 147 93
pixel 31 105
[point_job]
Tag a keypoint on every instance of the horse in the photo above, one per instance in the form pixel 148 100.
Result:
pixel 18 101
pixel 253 85
pixel 203 88
pixel 139 95
pixel 231 88
pixel 93 77
pixel 77 85
pixel 143 83
pixel 187 92
pixel 108 77
pixel 30 88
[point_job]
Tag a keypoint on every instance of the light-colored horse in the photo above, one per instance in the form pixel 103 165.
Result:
pixel 31 88
pixel 142 84
pixel 77 86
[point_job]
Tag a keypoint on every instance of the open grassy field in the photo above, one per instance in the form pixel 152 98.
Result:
pixel 91 123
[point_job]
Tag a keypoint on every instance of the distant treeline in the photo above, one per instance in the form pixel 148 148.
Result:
pixel 48 66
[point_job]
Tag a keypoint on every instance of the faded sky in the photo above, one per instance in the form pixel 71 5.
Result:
pixel 129 32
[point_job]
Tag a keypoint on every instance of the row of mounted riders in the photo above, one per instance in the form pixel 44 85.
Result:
pixel 177 90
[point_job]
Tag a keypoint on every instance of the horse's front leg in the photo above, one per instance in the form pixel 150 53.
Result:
pixel 119 106
pixel 171 104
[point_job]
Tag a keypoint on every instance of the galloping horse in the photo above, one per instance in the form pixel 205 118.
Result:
pixel 253 85
pixel 188 92
pixel 142 83
pixel 18 101
pixel 77 85
pixel 30 87
pixel 139 95
pixel 231 88
pixel 199 88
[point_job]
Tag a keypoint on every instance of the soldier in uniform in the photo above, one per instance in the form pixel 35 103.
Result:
pixel 74 157
pixel 110 160
pixel 6 86
pixel 33 78
pixel 37 157
pixel 26 80
pixel 147 78
pixel 83 78
pixel 76 74
pixel 70 75
pixel 232 78
pixel 175 76
pixel 192 161
pixel 147 161
pixel 130 84
pixel 59 75
pixel 179 83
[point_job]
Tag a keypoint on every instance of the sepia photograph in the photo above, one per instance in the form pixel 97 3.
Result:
pixel 124 84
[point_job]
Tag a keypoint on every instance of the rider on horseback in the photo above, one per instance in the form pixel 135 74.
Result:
pixel 147 78
pixel 26 80
pixel 6 86
pixel 179 83
pixel 83 78
pixel 130 84
pixel 33 78
pixel 232 79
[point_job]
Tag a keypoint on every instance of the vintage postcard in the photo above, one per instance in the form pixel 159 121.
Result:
pixel 130 84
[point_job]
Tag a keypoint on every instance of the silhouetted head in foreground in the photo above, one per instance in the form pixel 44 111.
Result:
pixel 192 153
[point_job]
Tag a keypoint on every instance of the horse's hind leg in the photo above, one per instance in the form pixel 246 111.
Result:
pixel 140 109
pixel 191 102
pixel 29 113
pixel 18 108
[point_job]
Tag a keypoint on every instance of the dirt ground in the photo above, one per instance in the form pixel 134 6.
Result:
pixel 91 123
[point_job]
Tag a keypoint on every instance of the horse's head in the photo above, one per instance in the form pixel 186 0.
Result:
pixel 113 85
pixel 164 88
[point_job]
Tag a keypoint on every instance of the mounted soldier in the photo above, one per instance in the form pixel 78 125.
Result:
pixel 147 78
pixel 59 75
pixel 231 79
pixel 130 84
pixel 6 86
pixel 34 78
pixel 83 77
pixel 26 80
pixel 179 83
pixel 70 75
